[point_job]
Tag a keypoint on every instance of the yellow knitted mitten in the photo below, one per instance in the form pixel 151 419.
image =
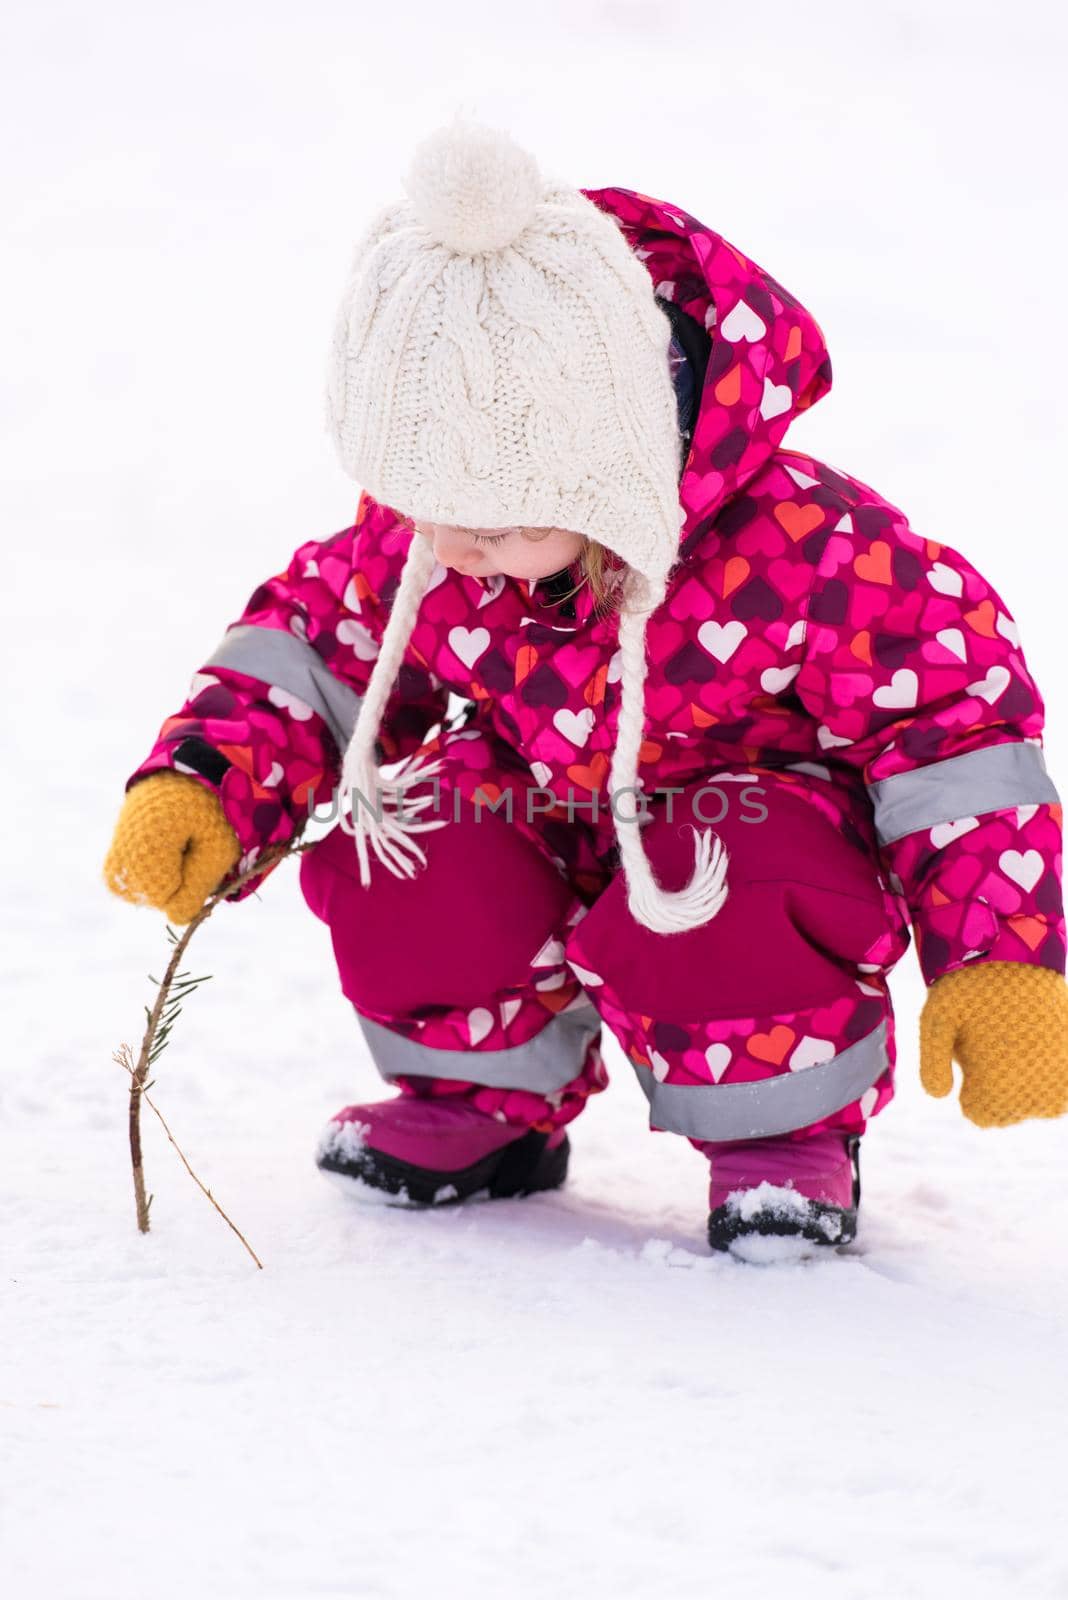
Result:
pixel 171 847
pixel 1006 1023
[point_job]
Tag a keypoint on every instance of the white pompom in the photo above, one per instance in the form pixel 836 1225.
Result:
pixel 473 188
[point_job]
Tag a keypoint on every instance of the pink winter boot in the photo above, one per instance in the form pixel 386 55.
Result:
pixel 802 1189
pixel 426 1152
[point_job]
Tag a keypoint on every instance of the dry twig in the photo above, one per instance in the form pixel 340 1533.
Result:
pixel 124 1056
pixel 173 989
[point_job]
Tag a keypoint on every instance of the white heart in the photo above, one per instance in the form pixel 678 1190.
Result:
pixel 493 587
pixel 289 702
pixel 615 667
pixel 993 686
pixel 901 691
pixel 468 644
pixel 776 679
pixel 802 479
pixel 479 1023
pixel 359 638
pixel 810 1053
pixel 721 639
pixel 1023 867
pixel 796 634
pixel 1024 814
pixel 868 1101
pixel 550 955
pixel 828 740
pixel 509 1009
pixel 660 1066
pixel 944 833
pixel 1007 628
pixel 438 574
pixel 845 524
pixel 812 768
pixel 542 773
pixel 777 398
pixel 275 775
pixel 350 599
pixel 588 979
pixel 718 1057
pixel 742 323
pixel 576 726
pixel 952 639
pixel 945 579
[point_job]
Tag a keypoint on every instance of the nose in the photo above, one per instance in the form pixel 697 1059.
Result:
pixel 454 550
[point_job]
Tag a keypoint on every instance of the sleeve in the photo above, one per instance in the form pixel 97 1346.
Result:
pixel 269 714
pixel 913 669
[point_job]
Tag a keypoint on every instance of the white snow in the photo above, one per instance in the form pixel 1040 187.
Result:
pixel 780 1201
pixel 564 1396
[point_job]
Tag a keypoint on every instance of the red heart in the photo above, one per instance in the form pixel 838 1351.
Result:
pixel 772 1046
pixel 590 777
pixel 730 574
pixel 982 619
pixel 1032 930
pixel 874 565
pixel 798 520
pixel 593 694
pixel 525 660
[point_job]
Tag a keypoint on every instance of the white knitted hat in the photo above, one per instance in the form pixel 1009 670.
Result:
pixel 499 359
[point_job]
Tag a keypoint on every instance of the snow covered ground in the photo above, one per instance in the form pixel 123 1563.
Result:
pixel 564 1396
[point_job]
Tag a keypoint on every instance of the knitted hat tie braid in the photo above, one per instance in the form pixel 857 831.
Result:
pixel 662 910
pixel 385 816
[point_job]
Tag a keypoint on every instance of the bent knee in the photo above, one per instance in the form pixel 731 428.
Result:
pixel 804 909
pixel 463 927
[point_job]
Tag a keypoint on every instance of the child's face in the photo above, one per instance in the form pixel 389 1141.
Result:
pixel 485 552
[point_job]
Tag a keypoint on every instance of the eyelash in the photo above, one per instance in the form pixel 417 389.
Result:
pixel 479 538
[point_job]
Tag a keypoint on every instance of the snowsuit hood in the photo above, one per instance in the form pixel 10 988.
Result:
pixel 768 361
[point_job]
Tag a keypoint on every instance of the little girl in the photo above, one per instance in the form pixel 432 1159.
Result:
pixel 727 727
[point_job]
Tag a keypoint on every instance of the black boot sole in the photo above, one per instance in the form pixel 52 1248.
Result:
pixel 819 1223
pixel 525 1167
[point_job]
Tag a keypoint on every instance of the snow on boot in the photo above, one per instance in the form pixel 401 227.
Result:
pixel 774 1197
pixel 421 1152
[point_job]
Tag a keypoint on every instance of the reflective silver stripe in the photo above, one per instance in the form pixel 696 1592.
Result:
pixel 543 1064
pixel 772 1105
pixel 963 786
pixel 286 662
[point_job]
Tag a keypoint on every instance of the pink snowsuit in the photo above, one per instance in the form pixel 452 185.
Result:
pixel 846 699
